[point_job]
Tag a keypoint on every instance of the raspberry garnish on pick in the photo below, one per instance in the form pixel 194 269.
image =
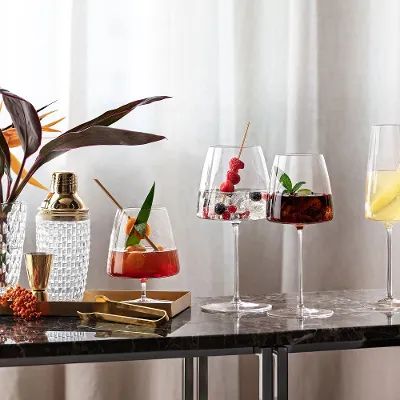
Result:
pixel 235 164
pixel 233 177
pixel 227 187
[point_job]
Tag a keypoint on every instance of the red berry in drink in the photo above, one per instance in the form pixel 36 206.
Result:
pixel 205 212
pixel 226 215
pixel 235 164
pixel 232 209
pixel 233 177
pixel 227 187
pixel 265 196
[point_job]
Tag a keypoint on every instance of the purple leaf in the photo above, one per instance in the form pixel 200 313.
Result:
pixel 112 116
pixel 25 120
pixel 93 136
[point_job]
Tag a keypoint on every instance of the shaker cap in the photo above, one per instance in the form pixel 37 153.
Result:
pixel 63 199
pixel 64 182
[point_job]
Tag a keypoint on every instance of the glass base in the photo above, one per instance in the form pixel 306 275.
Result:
pixel 298 313
pixel 386 304
pixel 231 307
pixel 142 300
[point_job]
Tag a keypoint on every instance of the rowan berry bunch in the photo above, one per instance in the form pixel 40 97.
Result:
pixel 23 303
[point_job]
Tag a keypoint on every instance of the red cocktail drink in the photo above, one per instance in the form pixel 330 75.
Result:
pixel 143 264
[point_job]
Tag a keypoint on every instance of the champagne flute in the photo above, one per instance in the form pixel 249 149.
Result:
pixel 382 198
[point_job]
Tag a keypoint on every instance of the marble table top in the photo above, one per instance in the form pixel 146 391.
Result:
pixel 196 330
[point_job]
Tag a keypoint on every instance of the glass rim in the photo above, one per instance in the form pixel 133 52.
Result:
pixel 138 208
pixel 387 125
pixel 226 146
pixel 13 202
pixel 299 154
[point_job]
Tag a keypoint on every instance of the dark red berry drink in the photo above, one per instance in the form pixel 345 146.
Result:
pixel 300 210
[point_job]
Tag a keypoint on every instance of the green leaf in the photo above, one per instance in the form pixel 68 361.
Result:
pixel 286 182
pixel 297 186
pixel 141 219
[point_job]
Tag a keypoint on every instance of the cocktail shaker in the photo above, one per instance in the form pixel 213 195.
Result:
pixel 63 229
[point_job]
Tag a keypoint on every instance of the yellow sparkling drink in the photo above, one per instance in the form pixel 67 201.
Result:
pixel 383 196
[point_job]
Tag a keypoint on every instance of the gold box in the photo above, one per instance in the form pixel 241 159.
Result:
pixel 174 302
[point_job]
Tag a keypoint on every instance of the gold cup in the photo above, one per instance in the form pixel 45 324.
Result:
pixel 38 266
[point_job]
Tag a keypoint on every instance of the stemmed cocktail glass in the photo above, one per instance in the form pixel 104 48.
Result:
pixel 233 189
pixel 300 195
pixel 382 199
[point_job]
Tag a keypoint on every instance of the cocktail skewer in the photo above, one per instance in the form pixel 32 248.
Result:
pixel 239 154
pixel 114 200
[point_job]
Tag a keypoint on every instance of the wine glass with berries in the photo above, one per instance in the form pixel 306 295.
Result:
pixel 300 195
pixel 234 189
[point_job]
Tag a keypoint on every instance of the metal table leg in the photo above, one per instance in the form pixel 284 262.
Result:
pixel 282 375
pixel 187 378
pixel 266 374
pixel 202 378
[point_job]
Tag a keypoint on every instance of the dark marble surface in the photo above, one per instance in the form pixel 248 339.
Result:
pixel 193 329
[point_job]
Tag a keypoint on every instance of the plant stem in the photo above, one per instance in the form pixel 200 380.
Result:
pixel 16 183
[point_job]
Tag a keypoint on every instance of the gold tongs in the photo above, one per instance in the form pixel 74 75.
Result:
pixel 126 313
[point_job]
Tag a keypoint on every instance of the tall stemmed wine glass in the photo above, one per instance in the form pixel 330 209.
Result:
pixel 382 198
pixel 233 189
pixel 300 195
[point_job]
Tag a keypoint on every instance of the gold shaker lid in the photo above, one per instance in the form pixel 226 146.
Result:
pixel 63 198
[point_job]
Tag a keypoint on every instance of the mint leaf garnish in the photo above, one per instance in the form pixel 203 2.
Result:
pixel 286 182
pixel 141 219
pixel 297 186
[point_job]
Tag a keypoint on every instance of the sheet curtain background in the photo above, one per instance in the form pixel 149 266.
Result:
pixel 309 75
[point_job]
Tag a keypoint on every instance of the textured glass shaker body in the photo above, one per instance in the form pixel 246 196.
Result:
pixel 63 229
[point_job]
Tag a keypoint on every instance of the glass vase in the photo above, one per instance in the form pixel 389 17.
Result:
pixel 12 236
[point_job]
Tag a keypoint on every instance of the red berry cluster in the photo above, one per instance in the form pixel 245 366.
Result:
pixel 23 303
pixel 232 176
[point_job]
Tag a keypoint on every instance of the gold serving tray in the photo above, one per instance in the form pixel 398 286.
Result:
pixel 171 302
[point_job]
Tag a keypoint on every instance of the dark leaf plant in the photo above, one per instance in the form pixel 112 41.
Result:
pixel 96 132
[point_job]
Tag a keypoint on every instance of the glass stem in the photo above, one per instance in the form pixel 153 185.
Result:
pixel 236 296
pixel 389 288
pixel 300 299
pixel 143 284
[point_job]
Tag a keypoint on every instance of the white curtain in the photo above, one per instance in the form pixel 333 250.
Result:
pixel 310 76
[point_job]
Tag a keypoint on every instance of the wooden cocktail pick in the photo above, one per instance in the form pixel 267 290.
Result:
pixel 113 199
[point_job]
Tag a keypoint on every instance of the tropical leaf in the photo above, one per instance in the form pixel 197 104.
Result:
pixel 16 166
pixel 93 136
pixel 141 219
pixel 5 150
pixel 50 124
pixel 25 120
pixel 47 114
pixel 38 110
pixel 112 116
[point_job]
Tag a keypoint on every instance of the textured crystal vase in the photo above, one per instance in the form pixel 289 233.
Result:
pixel 12 236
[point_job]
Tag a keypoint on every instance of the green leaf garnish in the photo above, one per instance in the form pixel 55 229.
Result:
pixel 141 220
pixel 297 186
pixel 286 182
